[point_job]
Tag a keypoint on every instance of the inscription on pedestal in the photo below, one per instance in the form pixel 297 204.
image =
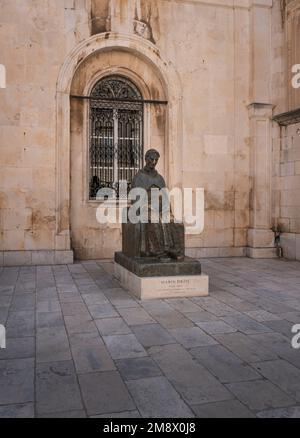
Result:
pixel 176 286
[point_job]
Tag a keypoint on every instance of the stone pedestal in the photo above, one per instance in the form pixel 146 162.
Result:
pixel 177 286
pixel 147 279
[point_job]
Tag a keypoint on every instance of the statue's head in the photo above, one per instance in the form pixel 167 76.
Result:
pixel 152 156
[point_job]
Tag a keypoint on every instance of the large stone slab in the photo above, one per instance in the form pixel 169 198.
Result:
pixel 246 347
pixel 246 325
pixel 191 380
pixel 177 286
pixel 49 320
pixel 150 335
pixel 223 364
pixel 127 414
pixel 105 393
pixel 52 345
pixel 136 316
pixel 282 374
pixel 112 326
pixel 25 410
pixel 65 415
pixel 138 368
pixel 20 324
pixel 291 412
pixel 225 409
pixel 18 348
pixel 279 345
pixel 165 315
pixel 57 388
pixel 260 394
pixel 156 398
pixel 124 346
pixel 190 337
pixel 16 381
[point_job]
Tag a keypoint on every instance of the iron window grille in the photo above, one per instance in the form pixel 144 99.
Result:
pixel 116 144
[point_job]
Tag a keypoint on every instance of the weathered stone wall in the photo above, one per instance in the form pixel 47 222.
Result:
pixel 220 52
pixel 35 37
pixel 286 138
pixel 289 217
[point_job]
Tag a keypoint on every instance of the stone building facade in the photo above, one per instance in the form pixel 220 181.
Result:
pixel 228 119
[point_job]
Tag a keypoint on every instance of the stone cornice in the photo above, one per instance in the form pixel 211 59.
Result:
pixel 288 118
pixel 260 109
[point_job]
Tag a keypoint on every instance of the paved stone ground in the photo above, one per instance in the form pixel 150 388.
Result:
pixel 78 345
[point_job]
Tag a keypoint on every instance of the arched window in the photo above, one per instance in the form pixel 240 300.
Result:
pixel 116 133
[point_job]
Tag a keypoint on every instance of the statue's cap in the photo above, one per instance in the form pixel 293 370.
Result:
pixel 152 151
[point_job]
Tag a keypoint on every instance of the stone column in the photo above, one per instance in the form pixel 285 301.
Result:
pixel 260 236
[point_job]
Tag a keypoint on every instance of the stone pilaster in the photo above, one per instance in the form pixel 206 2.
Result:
pixel 260 236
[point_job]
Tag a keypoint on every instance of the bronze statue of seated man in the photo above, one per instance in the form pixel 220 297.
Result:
pixel 159 239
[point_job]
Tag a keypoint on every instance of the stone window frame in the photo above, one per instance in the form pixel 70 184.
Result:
pixel 173 91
